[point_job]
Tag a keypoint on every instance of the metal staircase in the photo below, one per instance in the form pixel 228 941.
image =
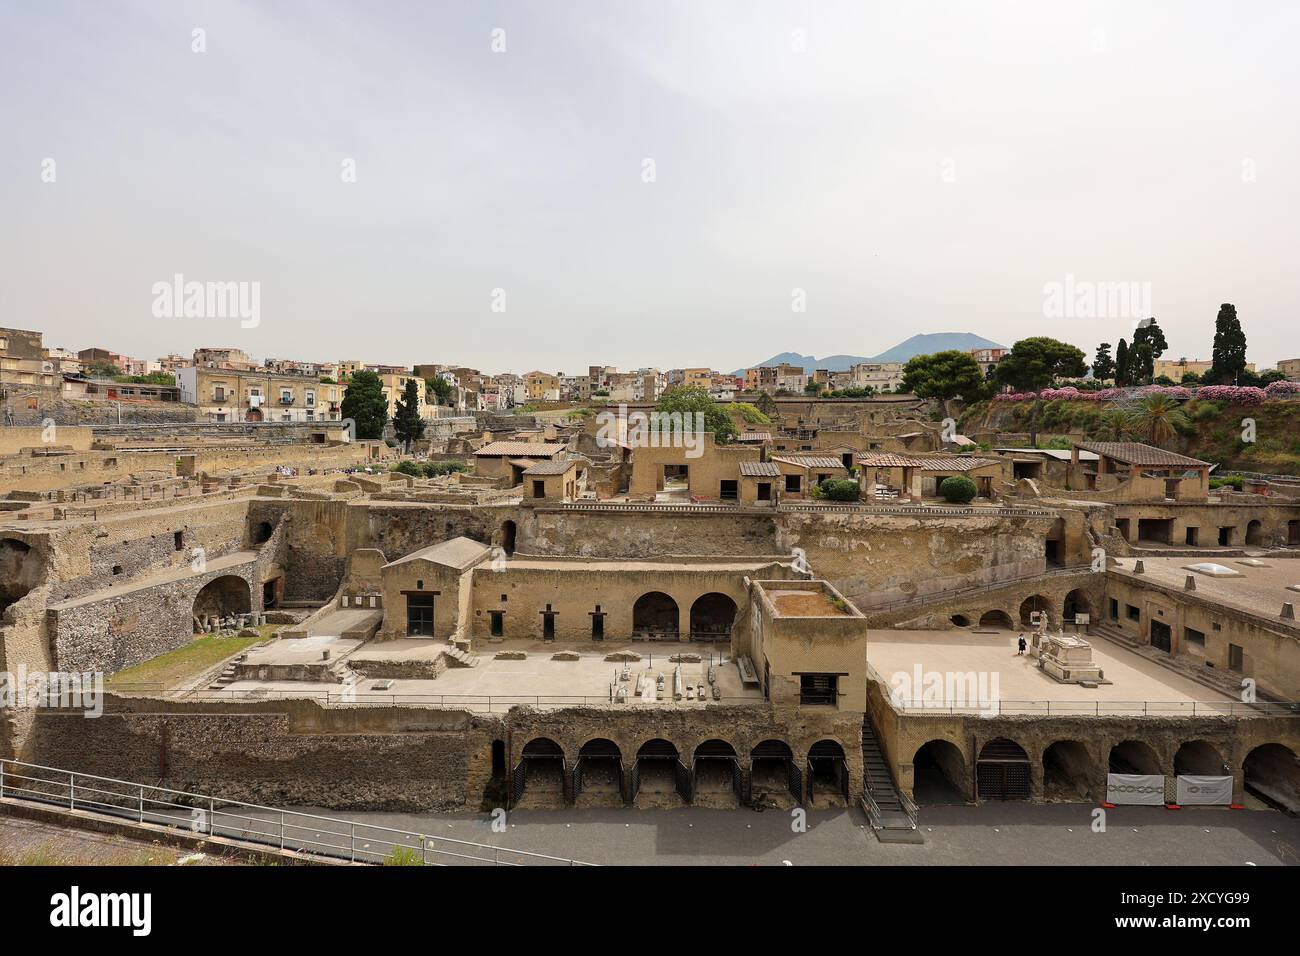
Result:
pixel 891 813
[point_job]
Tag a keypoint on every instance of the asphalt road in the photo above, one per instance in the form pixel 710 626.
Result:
pixel 992 834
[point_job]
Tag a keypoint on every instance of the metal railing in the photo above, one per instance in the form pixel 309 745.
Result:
pixel 1107 708
pixel 476 702
pixel 973 588
pixel 198 814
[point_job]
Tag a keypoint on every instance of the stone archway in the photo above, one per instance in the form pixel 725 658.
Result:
pixel 1134 757
pixel 1199 758
pixel 222 597
pixel 1076 602
pixel 712 616
pixel 1035 602
pixel 1272 773
pixel 656 614
pixel 1255 532
pixel 1068 771
pixel 939 774
pixel 20 569
pixel 996 618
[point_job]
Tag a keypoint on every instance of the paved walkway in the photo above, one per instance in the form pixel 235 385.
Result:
pixel 992 834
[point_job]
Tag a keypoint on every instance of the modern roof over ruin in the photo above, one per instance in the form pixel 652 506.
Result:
pixel 511 449
pixel 556 466
pixel 810 461
pixel 456 553
pixel 1136 453
pixel 759 469
pixel 889 461
pixel 955 463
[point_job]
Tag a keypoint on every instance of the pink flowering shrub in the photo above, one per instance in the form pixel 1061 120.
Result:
pixel 1282 389
pixel 1233 394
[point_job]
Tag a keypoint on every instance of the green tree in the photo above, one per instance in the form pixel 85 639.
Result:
pixel 102 369
pixel 696 399
pixel 1113 426
pixel 814 388
pixel 365 404
pixel 1034 363
pixel 1152 335
pixel 408 426
pixel 1103 366
pixel 766 404
pixel 838 489
pixel 437 390
pixel 1158 419
pixel 945 375
pixel 1141 364
pixel 1121 363
pixel 1228 358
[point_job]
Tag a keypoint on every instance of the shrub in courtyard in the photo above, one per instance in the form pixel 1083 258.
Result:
pixel 957 490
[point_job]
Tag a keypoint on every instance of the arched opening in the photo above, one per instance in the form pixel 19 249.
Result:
pixel 996 619
pixel 1076 603
pixel 939 774
pixel 712 615
pixel 599 771
pixel 1035 602
pixel 253 415
pixel 773 772
pixel 828 773
pixel 717 773
pixel 221 598
pixel 1002 771
pixel 508 532
pixel 1255 532
pixel 1067 771
pixel 1133 756
pixel 960 620
pixel 657 779
pixel 540 772
pixel 1199 758
pixel 262 532
pixel 19 571
pixel 1272 773
pixel 654 615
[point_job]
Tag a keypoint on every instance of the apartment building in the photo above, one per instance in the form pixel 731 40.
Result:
pixel 241 395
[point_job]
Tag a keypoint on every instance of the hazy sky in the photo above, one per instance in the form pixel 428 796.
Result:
pixel 912 167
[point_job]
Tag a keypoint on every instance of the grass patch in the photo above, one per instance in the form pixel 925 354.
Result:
pixel 174 667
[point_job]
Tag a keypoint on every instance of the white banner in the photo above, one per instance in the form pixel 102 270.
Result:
pixel 1147 789
pixel 1204 791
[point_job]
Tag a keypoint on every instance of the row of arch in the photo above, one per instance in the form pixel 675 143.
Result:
pixel 1075 602
pixel 659 767
pixel 1070 770
pixel 711 615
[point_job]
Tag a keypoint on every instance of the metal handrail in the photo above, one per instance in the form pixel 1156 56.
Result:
pixel 137 807
pixel 492 703
pixel 1114 708
pixel 975 588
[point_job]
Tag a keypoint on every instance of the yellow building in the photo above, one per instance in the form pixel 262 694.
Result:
pixel 237 395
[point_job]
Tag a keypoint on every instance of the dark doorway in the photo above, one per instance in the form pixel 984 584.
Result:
pixel 1161 636
pixel 939 774
pixel 1255 532
pixel 1002 771
pixel 712 615
pixel 508 532
pixel 548 624
pixel 1225 537
pixel 419 615
pixel 269 594
pixel 496 623
pixel 598 624
pixel 655 615
pixel 729 490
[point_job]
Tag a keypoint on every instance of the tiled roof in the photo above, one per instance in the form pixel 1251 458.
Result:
pixel 1136 453
pixel 889 461
pixel 537 449
pixel 955 463
pixel 759 469
pixel 556 466
pixel 810 461
pixel 754 436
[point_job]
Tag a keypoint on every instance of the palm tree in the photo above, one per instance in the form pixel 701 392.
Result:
pixel 1114 426
pixel 1158 419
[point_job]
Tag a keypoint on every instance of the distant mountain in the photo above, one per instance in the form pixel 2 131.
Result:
pixel 923 344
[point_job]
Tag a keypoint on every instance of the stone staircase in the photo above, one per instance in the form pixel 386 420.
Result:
pixel 458 658
pixel 891 814
pixel 1225 682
